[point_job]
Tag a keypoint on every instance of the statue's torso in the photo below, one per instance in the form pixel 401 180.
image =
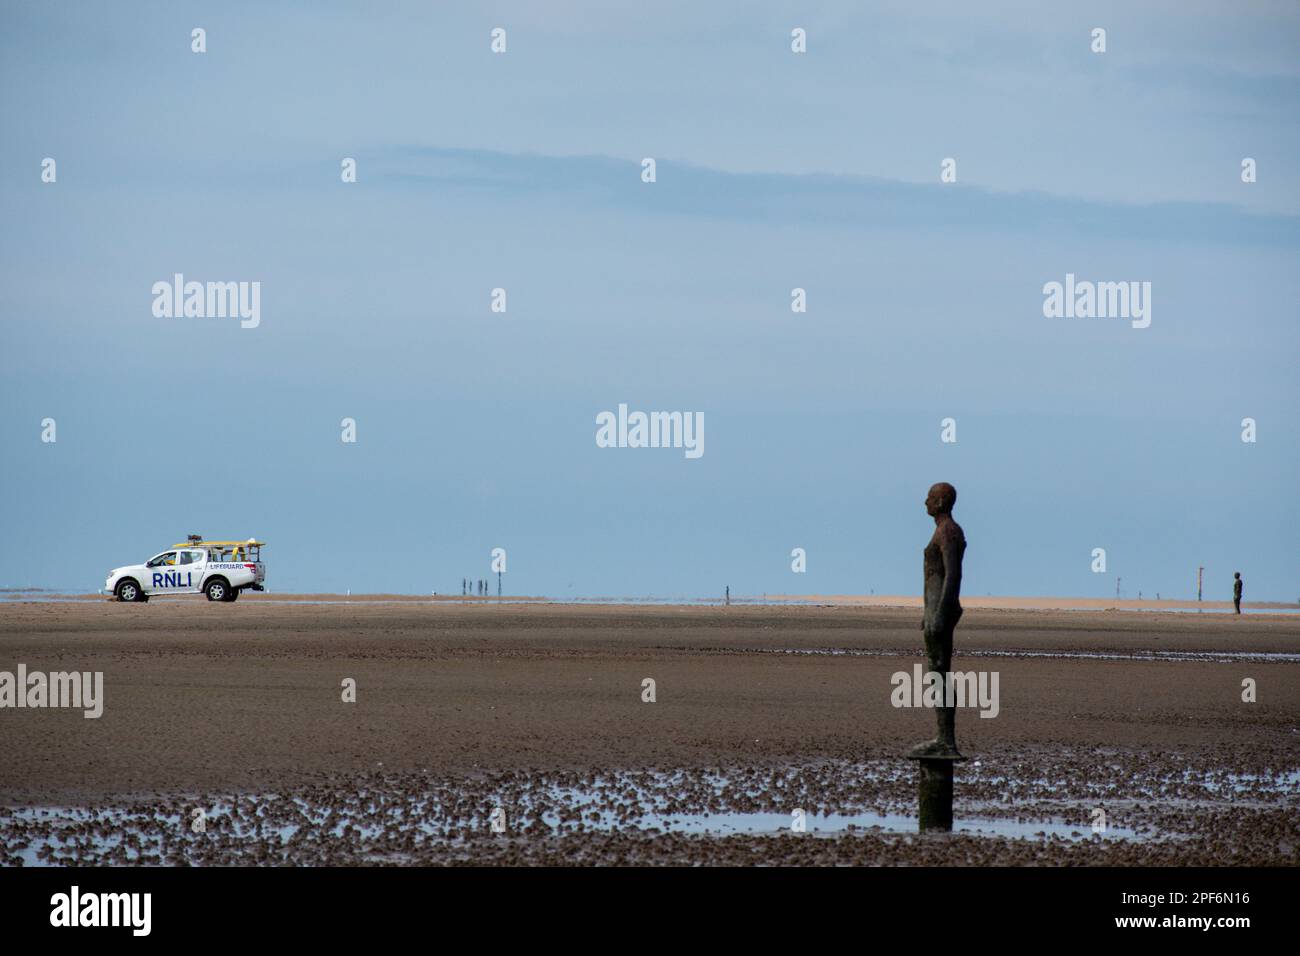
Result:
pixel 934 569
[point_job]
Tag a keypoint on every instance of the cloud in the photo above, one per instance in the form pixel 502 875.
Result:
pixel 842 201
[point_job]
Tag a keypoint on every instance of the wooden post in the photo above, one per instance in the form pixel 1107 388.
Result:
pixel 934 792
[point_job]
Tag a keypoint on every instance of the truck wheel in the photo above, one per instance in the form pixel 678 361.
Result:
pixel 129 590
pixel 217 590
pixel 234 595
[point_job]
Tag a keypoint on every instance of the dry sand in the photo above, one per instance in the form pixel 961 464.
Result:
pixel 461 707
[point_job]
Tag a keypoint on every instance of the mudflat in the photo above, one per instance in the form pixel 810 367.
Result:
pixel 767 703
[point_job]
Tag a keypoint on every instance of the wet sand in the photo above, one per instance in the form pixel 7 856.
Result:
pixel 465 707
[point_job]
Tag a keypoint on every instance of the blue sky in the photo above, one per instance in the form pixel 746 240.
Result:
pixel 775 170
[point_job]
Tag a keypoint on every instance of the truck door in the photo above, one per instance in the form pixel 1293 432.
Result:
pixel 189 571
pixel 160 573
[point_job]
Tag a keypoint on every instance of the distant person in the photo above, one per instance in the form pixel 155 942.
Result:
pixel 1236 590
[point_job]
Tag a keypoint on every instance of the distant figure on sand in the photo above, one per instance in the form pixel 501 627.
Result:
pixel 1236 590
pixel 943 556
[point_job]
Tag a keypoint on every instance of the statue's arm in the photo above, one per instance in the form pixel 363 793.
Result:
pixel 952 554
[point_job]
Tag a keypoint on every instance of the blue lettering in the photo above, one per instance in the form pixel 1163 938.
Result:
pixel 157 580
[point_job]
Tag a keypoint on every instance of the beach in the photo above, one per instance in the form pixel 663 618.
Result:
pixel 539 711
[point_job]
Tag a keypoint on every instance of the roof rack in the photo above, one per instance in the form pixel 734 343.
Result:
pixel 196 541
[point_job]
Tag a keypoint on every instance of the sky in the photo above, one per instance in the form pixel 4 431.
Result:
pixel 775 170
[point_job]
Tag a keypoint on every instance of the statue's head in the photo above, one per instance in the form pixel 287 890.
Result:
pixel 940 500
pixel 1236 574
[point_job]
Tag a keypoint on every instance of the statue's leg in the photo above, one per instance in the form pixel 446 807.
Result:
pixel 938 648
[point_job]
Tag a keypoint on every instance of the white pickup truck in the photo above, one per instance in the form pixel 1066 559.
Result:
pixel 219 569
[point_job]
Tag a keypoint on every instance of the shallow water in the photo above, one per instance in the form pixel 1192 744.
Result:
pixel 1247 612
pixel 76 595
pixel 1209 657
pixel 141 838
pixel 726 824
pixel 377 820
pixel 606 804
